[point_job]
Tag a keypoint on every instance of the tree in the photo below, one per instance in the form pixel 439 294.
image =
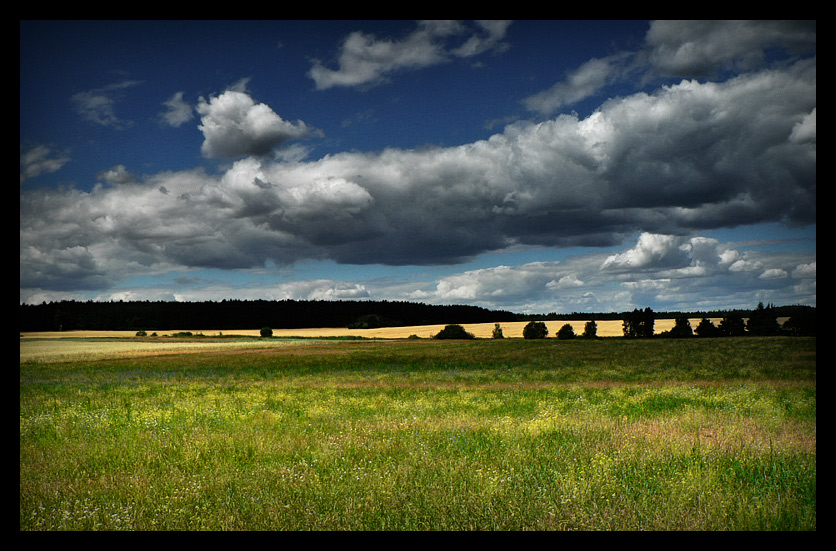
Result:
pixel 732 325
pixel 681 328
pixel 590 330
pixel 453 331
pixel 266 332
pixel 566 332
pixel 638 323
pixel 535 330
pixel 706 329
pixel 497 332
pixel 763 321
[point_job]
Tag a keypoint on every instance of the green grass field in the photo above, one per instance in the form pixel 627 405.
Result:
pixel 611 434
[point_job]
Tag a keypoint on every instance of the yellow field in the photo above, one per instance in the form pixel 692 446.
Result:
pixel 59 346
pixel 606 328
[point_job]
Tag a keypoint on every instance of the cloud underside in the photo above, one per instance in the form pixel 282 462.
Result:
pixel 693 156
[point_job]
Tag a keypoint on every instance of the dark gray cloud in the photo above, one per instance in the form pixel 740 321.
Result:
pixel 663 271
pixel 702 48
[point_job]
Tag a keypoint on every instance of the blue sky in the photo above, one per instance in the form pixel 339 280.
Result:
pixel 532 166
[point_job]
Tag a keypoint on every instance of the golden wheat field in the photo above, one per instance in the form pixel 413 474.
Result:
pixel 70 345
pixel 606 328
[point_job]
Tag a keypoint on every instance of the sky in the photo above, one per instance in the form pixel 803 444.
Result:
pixel 530 166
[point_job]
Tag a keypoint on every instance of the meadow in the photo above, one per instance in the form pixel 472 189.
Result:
pixel 406 434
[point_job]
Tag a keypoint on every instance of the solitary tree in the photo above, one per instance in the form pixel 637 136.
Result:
pixel 535 330
pixel 266 332
pixel 566 332
pixel 638 323
pixel 681 328
pixel 590 330
pixel 497 332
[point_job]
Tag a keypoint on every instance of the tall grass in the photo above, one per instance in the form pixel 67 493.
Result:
pixel 483 435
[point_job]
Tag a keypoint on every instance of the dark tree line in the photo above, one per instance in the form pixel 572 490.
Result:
pixel 244 314
pixel 779 311
pixel 293 314
pixel 762 321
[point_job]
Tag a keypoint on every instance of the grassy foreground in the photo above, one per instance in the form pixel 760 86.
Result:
pixel 613 434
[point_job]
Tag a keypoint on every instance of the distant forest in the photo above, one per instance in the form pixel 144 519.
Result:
pixel 245 314
pixel 295 314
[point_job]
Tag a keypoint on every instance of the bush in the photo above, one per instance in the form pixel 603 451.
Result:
pixel 454 332
pixel 535 330
pixel 266 332
pixel 141 333
pixel 566 332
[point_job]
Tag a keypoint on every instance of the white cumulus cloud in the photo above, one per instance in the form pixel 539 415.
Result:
pixel 234 125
